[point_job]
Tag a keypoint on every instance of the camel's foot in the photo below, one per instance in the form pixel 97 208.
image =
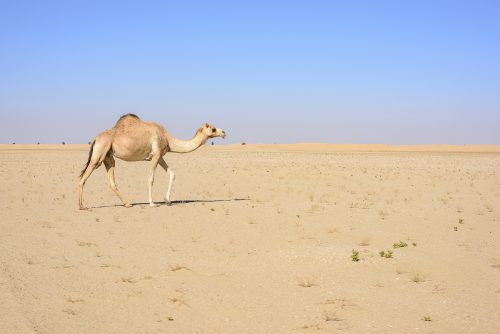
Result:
pixel 153 205
pixel 127 205
pixel 83 207
pixel 167 202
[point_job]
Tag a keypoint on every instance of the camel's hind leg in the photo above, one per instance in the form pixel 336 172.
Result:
pixel 171 174
pixel 98 152
pixel 109 163
pixel 90 168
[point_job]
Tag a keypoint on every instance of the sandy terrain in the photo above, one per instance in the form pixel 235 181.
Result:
pixel 259 240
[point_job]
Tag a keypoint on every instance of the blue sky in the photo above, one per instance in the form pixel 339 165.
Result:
pixel 395 72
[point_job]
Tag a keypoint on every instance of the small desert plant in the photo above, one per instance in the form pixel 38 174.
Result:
pixel 399 244
pixel 455 228
pixel 355 255
pixel 460 221
pixel 426 318
pixel 387 254
pixel 414 244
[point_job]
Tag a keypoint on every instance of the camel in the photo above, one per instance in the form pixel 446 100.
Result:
pixel 132 139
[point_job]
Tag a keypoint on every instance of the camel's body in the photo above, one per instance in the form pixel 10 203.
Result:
pixel 131 139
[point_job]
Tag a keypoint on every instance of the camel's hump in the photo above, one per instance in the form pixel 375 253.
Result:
pixel 127 118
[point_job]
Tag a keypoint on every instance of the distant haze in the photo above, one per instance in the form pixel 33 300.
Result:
pixel 394 72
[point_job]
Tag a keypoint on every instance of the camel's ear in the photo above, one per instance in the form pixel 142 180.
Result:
pixel 206 125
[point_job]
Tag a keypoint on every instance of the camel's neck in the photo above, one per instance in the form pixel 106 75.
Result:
pixel 186 146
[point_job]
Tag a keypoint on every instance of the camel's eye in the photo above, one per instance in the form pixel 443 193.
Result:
pixel 213 130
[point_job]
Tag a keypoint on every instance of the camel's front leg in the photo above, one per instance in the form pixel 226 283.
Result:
pixel 152 179
pixel 171 175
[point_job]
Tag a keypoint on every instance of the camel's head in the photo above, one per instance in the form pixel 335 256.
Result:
pixel 212 131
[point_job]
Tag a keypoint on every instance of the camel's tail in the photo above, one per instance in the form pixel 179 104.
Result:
pixel 88 161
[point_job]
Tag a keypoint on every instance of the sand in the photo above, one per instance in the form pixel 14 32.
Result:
pixel 259 240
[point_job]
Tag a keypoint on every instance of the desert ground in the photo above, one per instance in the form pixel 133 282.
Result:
pixel 259 239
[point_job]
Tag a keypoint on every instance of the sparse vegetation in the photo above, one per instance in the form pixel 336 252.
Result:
pixel 386 254
pixel 355 255
pixel 399 244
pixel 426 318
pixel 460 221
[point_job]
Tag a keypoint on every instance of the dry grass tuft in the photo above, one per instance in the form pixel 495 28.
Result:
pixel 331 315
pixel 306 283
pixel 417 277
pixel 365 242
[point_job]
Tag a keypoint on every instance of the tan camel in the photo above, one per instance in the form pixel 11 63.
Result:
pixel 132 139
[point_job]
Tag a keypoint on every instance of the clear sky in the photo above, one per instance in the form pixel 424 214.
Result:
pixel 395 72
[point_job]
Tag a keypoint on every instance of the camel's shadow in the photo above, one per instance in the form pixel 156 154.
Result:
pixel 172 203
